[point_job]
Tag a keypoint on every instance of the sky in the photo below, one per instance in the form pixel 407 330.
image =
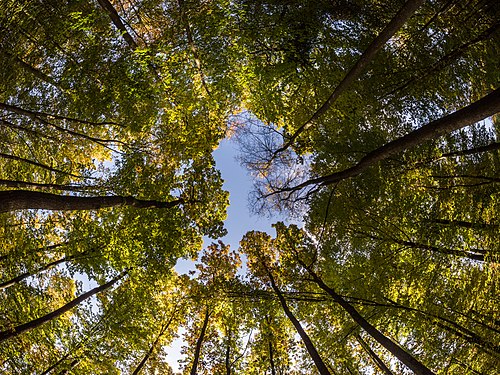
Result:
pixel 239 219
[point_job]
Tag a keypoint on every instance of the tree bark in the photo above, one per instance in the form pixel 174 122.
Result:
pixel 392 27
pixel 25 275
pixel 154 345
pixel 116 19
pixel 412 363
pixel 474 254
pixel 320 365
pixel 16 331
pixel 199 342
pixel 37 164
pixel 464 224
pixel 271 357
pixel 12 200
pixel 378 361
pixel 477 111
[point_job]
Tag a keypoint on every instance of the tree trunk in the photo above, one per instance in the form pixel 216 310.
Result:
pixel 199 342
pixel 323 370
pixel 154 345
pixel 11 200
pixel 25 275
pixel 392 27
pixel 117 21
pixel 412 363
pixel 474 254
pixel 477 111
pixel 374 356
pixel 271 357
pixel 228 352
pixel 464 224
pixel 15 331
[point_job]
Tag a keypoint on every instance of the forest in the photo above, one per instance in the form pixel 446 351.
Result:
pixel 372 123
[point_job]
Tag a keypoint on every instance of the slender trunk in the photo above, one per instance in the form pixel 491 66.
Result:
pixel 474 254
pixel 412 363
pixel 117 21
pixel 392 27
pixel 271 357
pixel 31 69
pixel 476 150
pixel 464 224
pixel 322 368
pixel 154 345
pixel 228 358
pixel 477 111
pixel 36 164
pixel 15 331
pixel 34 115
pixel 17 279
pixel 192 45
pixel 378 361
pixel 470 337
pixel 11 200
pixel 90 335
pixel 199 342
pixel 446 59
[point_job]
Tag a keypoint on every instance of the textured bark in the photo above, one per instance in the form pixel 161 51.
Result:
pixel 411 362
pixel 392 27
pixel 477 111
pixel 12 200
pixel 320 365
pixel 17 330
pixel 117 21
pixel 199 343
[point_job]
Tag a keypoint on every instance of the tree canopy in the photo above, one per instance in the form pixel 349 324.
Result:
pixel 374 124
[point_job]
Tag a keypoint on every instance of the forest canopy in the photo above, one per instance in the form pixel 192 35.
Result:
pixel 374 124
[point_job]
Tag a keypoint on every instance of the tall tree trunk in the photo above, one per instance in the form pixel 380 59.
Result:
pixel 17 279
pixel 477 111
pixel 11 200
pixel 392 27
pixel 228 354
pixel 155 344
pixel 199 342
pixel 271 357
pixel 15 331
pixel 411 362
pixel 464 224
pixel 117 21
pixel 474 254
pixel 320 365
pixel 378 361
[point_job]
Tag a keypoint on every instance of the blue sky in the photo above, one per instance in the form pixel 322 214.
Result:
pixel 239 219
